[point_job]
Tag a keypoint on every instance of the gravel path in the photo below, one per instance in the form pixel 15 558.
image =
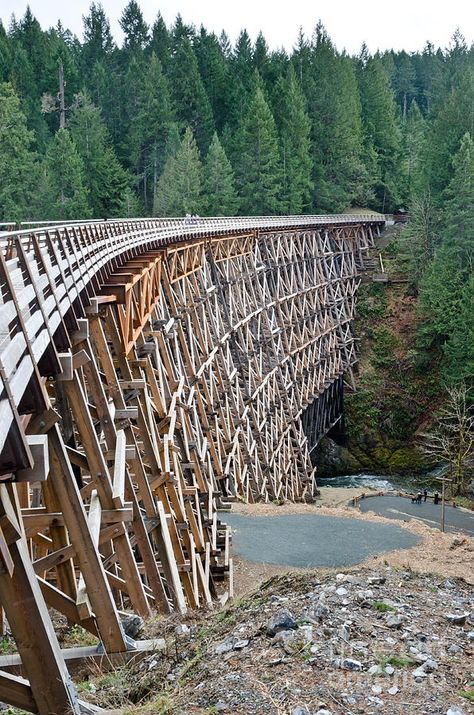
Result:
pixel 401 508
pixel 313 541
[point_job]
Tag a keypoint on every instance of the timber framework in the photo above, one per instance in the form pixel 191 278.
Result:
pixel 151 371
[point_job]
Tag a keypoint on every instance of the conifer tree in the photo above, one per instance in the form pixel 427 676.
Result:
pixel 179 188
pixel 62 193
pixel 17 161
pixel 294 127
pixel 105 179
pixel 334 107
pixel 443 290
pixel 382 132
pixel 257 162
pixel 150 129
pixel 192 105
pixel 134 28
pixel 160 42
pixel 220 197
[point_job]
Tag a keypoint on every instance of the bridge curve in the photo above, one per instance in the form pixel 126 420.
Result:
pixel 150 371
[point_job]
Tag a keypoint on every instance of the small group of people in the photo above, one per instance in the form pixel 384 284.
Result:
pixel 191 219
pixel 423 496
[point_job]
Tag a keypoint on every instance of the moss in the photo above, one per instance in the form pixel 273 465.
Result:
pixel 406 459
pixel 382 606
pixel 468 694
pixel 381 456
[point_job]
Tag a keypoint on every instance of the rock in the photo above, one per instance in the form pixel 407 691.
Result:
pixel 389 669
pixel 454 710
pixel 449 584
pixel 315 614
pixel 241 644
pixel 375 670
pixel 182 629
pixel 376 580
pixel 278 599
pixel 420 673
pixel 300 711
pixel 393 690
pixel 393 620
pixel 296 640
pixel 430 665
pixel 349 664
pixel 344 632
pixel 470 635
pixel 226 646
pixel 324 712
pixel 220 706
pixel 454 649
pixel 341 591
pixel 282 621
pixel 457 619
pixel 132 624
pixel 377 689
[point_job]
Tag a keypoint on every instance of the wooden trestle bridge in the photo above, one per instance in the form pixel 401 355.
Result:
pixel 151 371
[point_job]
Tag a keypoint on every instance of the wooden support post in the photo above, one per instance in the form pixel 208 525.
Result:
pixel 20 594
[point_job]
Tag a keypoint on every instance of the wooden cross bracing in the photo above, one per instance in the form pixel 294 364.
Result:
pixel 151 372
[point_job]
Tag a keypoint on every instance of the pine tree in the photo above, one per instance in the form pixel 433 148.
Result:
pixel 257 163
pixel 149 131
pixel 443 290
pixel 334 106
pixel 98 43
pixel 294 127
pixel 179 188
pixel 105 179
pixel 160 42
pixel 214 72
pixel 62 193
pixel 17 161
pixel 134 28
pixel 220 196
pixel 191 102
pixel 382 132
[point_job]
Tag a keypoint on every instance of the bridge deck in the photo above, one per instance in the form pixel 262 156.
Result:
pixel 150 370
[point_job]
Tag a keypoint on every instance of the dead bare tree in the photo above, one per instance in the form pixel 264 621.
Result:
pixel 451 440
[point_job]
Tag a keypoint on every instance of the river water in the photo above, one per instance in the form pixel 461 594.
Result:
pixel 380 482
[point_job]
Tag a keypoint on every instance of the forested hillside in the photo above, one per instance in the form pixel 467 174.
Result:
pixel 177 120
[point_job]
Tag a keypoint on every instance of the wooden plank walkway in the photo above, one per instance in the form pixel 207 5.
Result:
pixel 151 371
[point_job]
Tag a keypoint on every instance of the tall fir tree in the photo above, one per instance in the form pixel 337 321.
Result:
pixel 105 179
pixel 179 188
pixel 257 161
pixel 382 132
pixel 295 147
pixel 17 161
pixel 337 147
pixel 149 131
pixel 134 28
pixel 220 196
pixel 191 102
pixel 62 194
pixel 445 285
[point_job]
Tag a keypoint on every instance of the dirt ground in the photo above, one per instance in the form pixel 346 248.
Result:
pixel 448 554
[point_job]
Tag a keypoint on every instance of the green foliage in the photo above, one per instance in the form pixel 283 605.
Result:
pixel 220 196
pixel 257 165
pixel 105 179
pixel 382 607
pixel 17 161
pixel 382 132
pixel 179 188
pixel 294 127
pixel 63 193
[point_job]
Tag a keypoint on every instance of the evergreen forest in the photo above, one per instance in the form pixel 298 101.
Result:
pixel 179 120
